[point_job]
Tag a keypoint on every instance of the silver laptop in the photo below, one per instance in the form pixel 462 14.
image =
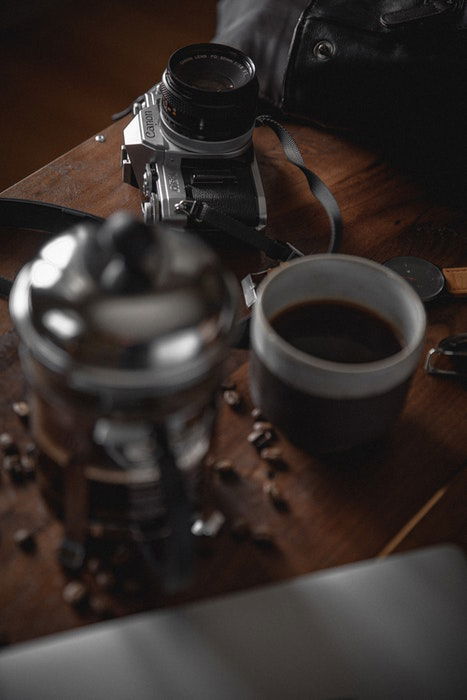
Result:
pixel 394 628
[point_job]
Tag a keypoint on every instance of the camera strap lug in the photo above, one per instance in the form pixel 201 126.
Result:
pixel 293 252
pixel 203 213
pixel 192 208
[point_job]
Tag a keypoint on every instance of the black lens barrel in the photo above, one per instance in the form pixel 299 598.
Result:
pixel 209 92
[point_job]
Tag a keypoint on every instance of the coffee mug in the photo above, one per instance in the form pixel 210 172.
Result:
pixel 335 341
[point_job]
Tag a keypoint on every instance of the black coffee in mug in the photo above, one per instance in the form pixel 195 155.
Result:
pixel 336 330
pixel 335 340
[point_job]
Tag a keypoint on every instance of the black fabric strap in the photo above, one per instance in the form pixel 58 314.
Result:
pixel 38 216
pixel 316 185
pixel 41 216
pixel 201 212
pixel 277 250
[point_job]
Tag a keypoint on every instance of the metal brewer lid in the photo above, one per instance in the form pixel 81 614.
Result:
pixel 125 308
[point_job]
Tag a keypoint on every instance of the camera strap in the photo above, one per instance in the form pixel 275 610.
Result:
pixel 52 218
pixel 203 213
pixel 38 216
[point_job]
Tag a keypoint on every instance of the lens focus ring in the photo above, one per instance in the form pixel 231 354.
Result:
pixel 209 92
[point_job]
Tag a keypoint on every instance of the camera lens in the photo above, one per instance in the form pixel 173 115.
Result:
pixel 209 93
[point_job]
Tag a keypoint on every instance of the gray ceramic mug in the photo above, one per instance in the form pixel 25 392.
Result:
pixel 323 405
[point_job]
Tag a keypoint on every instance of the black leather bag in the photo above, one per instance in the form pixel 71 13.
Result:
pixel 396 69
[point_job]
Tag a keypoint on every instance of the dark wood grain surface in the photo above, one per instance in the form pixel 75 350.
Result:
pixel 408 492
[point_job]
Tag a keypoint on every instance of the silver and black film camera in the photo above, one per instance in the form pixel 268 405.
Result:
pixel 191 139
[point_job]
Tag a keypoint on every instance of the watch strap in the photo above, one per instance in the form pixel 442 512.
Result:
pixel 456 280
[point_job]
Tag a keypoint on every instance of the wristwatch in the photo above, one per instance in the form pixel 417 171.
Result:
pixel 428 280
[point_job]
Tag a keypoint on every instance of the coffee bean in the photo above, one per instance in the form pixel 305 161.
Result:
pixel 11 464
pixel 232 398
pixel 263 425
pixel 25 540
pixel 225 469
pixel 240 530
pixel 276 497
pixel 257 414
pixel 273 455
pixel 209 526
pixel 30 449
pixel 261 438
pixel 96 530
pixel 262 538
pixel 228 385
pixel 71 555
pixel 105 580
pixel 254 436
pixel 100 607
pixel 28 466
pixel 21 408
pixel 8 445
pixel 16 472
pixel 75 593
pixel 93 565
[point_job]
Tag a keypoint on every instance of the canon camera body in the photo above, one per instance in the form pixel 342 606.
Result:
pixel 191 139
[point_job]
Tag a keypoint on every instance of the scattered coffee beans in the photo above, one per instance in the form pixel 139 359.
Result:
pixel 261 438
pixel 262 538
pixel 75 593
pixel 105 580
pixel 228 385
pixel 210 526
pixel 96 530
pixel 11 465
pixel 273 455
pixel 30 449
pixel 225 469
pixel 232 398
pixel 25 540
pixel 100 607
pixel 21 408
pixel 28 466
pixel 263 425
pixel 93 565
pixel 276 497
pixel 8 445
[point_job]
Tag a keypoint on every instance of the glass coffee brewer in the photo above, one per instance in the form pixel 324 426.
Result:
pixel 123 331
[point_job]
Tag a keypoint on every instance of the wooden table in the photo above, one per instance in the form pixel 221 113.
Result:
pixel 409 492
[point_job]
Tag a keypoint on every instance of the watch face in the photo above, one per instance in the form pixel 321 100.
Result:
pixel 423 276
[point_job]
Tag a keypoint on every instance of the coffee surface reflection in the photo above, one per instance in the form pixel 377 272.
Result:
pixel 337 331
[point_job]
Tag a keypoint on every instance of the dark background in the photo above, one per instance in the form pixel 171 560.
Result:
pixel 66 67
